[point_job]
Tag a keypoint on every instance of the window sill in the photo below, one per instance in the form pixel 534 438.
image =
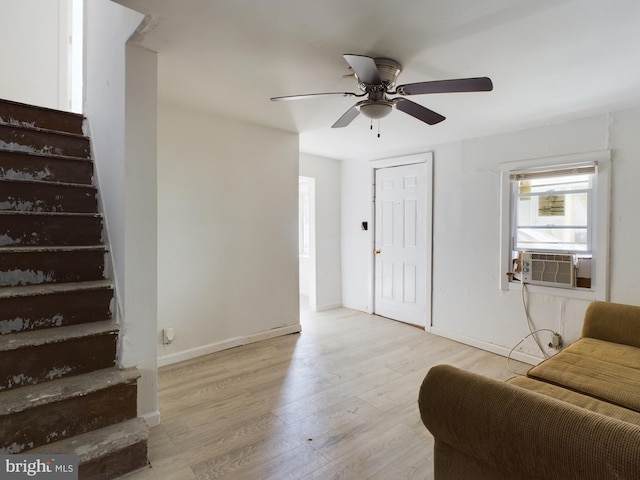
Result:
pixel 577 293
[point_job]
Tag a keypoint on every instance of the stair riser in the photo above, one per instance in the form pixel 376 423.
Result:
pixel 43 197
pixel 21 314
pixel 27 115
pixel 38 364
pixel 53 422
pixel 126 460
pixel 50 143
pixel 24 166
pixel 48 230
pixel 37 268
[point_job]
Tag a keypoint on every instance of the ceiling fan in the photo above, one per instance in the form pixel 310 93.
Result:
pixel 377 78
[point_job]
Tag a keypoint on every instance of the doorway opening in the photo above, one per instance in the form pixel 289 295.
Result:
pixel 306 241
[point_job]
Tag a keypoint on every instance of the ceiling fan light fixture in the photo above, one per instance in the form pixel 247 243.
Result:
pixel 375 109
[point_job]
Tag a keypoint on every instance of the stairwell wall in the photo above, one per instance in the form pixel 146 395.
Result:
pixel 120 99
pixel 227 232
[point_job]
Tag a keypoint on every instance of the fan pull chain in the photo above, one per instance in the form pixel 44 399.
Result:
pixel 378 128
pixel 371 126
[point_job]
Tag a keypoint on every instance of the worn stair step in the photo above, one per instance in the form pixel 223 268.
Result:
pixel 49 228
pixel 107 453
pixel 38 140
pixel 50 168
pixel 36 307
pixel 41 414
pixel 28 358
pixel 38 196
pixel 41 265
pixel 16 113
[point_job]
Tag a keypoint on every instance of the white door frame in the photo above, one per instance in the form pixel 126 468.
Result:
pixel 427 158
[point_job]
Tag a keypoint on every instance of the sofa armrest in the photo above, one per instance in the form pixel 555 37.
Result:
pixel 523 434
pixel 612 322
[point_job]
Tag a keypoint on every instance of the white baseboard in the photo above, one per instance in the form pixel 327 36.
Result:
pixel 359 308
pixel 226 344
pixel 324 308
pixel 152 419
pixel 489 347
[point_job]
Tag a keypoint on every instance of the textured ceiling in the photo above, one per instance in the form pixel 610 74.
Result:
pixel 550 60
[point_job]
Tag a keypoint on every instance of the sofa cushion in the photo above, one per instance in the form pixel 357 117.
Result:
pixel 577 399
pixel 615 353
pixel 603 370
pixel 613 322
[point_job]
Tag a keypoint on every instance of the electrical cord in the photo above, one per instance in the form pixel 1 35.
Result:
pixel 532 331
pixel 530 322
pixel 520 343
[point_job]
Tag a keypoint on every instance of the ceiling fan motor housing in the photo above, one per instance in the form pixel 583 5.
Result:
pixel 388 70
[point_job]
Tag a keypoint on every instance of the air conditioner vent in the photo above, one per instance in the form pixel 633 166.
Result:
pixel 551 269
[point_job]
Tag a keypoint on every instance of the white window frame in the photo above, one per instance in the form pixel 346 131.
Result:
pixel 600 221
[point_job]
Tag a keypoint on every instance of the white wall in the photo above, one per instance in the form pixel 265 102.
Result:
pixel 357 244
pixel 139 346
pixel 326 172
pixel 35 52
pixel 625 199
pixel 467 302
pixel 227 232
pixel 120 93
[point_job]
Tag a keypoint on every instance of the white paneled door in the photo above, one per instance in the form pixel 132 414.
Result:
pixel 401 243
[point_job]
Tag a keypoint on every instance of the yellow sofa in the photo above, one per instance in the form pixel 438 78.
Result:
pixel 574 416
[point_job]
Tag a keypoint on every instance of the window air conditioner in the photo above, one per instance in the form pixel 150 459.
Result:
pixel 550 269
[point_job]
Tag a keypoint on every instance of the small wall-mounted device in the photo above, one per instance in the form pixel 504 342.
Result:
pixel 168 335
pixel 364 225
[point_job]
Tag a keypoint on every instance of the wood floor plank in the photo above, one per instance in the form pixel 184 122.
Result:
pixel 337 401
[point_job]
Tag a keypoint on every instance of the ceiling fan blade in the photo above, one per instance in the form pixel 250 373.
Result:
pixel 365 68
pixel 478 84
pixel 312 95
pixel 418 111
pixel 347 117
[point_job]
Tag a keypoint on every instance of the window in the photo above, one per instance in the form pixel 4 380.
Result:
pixel 552 210
pixel 555 209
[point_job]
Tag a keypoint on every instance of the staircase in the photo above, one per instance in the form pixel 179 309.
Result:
pixel 60 389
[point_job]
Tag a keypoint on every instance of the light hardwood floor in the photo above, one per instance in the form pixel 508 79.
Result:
pixel 337 401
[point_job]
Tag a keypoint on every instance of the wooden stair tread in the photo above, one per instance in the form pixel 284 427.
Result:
pixel 47 183
pixel 33 338
pixel 22 126
pixel 31 396
pixel 49 214
pixel 54 156
pixel 94 444
pixel 51 249
pixel 30 290
pixel 41 108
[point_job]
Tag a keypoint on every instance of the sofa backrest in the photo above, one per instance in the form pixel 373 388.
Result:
pixel 613 322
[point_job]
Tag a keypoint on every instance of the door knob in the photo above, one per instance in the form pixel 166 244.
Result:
pixel 376 252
